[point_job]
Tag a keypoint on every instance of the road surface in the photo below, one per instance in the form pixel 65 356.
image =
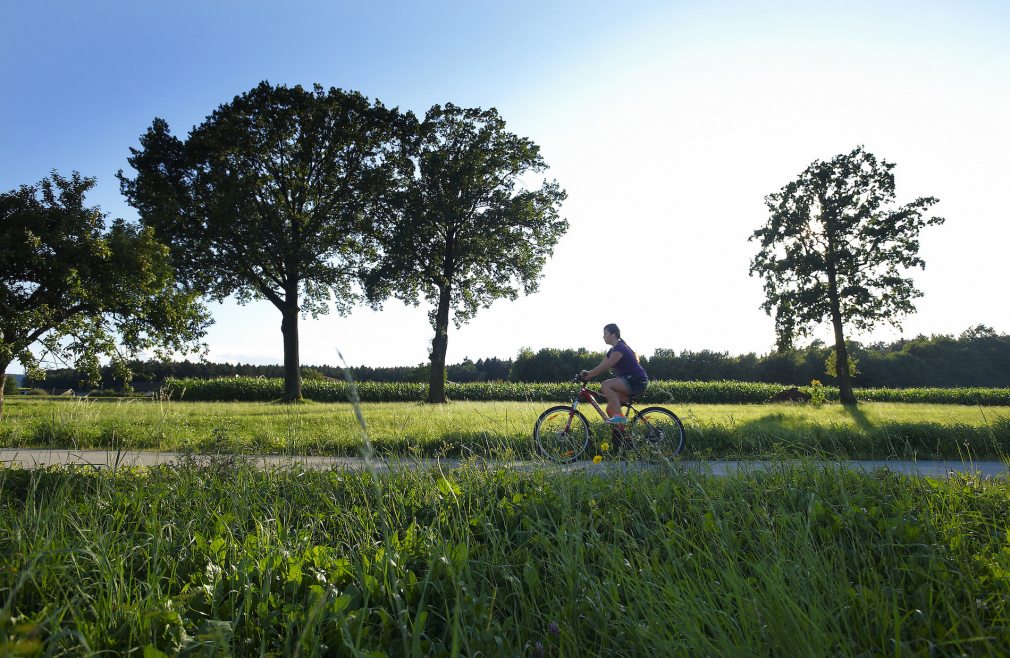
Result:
pixel 105 459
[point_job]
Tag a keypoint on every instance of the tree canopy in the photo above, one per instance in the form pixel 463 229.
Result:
pixel 464 231
pixel 271 197
pixel 833 250
pixel 81 291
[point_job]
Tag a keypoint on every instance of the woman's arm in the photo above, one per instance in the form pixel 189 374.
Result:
pixel 604 366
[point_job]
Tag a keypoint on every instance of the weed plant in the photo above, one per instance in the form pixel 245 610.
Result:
pixel 214 557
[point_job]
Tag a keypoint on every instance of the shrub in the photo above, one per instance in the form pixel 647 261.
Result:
pixel 107 393
pixel 816 392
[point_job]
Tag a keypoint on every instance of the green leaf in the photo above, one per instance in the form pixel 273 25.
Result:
pixel 448 488
pixel 531 575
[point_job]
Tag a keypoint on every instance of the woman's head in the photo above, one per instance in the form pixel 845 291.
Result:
pixel 611 330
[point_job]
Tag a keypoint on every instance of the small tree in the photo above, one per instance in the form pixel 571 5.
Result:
pixel 462 235
pixel 832 249
pixel 80 291
pixel 270 198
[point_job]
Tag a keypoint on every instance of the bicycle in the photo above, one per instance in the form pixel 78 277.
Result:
pixel 562 432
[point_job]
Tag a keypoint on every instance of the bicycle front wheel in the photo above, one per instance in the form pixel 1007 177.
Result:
pixel 658 434
pixel 561 434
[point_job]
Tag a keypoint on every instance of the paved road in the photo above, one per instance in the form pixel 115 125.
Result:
pixel 102 459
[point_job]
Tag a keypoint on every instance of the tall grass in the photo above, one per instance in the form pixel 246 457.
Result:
pixel 216 558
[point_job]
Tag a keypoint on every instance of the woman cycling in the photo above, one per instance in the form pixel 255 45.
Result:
pixel 631 378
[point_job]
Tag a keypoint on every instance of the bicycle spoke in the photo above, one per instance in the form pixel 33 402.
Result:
pixel 658 434
pixel 561 434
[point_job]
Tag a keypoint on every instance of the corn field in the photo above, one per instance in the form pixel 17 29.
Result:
pixel 248 389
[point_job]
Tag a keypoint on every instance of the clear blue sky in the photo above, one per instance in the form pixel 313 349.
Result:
pixel 667 123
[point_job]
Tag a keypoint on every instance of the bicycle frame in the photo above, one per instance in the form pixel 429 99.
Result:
pixel 591 395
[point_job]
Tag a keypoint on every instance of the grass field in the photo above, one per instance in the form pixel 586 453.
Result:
pixel 216 558
pixel 873 430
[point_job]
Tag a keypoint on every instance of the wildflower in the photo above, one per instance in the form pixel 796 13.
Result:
pixel 538 650
pixel 604 447
pixel 980 604
pixel 592 503
pixel 597 459
pixel 553 629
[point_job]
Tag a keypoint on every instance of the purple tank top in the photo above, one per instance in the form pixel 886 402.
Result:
pixel 628 365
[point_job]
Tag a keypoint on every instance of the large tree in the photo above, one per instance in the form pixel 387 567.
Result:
pixel 271 198
pixel 79 290
pixel 833 249
pixel 465 231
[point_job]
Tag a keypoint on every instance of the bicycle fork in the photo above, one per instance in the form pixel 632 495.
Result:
pixel 571 415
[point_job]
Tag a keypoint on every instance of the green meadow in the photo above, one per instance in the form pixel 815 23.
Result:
pixel 872 430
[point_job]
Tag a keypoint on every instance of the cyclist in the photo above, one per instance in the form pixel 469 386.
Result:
pixel 631 378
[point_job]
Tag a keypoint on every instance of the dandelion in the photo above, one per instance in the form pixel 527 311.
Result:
pixel 553 629
pixel 605 447
pixel 597 459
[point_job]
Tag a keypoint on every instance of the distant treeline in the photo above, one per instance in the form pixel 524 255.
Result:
pixel 979 357
pixel 492 369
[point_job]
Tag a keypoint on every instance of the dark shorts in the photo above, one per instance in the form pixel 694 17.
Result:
pixel 635 384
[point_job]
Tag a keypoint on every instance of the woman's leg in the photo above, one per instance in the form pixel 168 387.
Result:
pixel 616 392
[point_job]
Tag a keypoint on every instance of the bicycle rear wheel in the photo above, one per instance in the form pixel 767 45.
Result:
pixel 561 434
pixel 657 434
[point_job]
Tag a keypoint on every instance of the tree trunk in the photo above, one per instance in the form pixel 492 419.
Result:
pixel 845 393
pixel 292 366
pixel 436 385
pixel 3 383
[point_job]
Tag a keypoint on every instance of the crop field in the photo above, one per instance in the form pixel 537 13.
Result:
pixel 250 389
pixel 214 558
pixel 490 429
